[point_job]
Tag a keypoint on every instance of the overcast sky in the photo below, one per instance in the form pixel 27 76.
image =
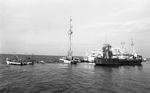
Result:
pixel 40 26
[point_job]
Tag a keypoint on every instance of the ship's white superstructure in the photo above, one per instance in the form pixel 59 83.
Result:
pixel 118 53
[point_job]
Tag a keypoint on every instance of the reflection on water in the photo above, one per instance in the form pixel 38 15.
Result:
pixel 121 69
pixel 76 78
pixel 89 66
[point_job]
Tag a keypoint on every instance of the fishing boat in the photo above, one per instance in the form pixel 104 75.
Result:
pixel 17 61
pixel 10 62
pixel 69 59
pixel 117 57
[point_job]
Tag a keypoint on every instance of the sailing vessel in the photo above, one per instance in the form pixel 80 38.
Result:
pixel 69 59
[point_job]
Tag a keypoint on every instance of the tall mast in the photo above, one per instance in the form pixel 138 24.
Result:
pixel 122 45
pixel 132 46
pixel 70 39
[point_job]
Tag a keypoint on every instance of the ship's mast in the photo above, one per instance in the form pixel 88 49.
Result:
pixel 132 46
pixel 70 52
pixel 122 45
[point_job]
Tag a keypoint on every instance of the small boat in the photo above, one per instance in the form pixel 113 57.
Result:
pixel 65 60
pixel 13 62
pixel 18 61
pixel 42 62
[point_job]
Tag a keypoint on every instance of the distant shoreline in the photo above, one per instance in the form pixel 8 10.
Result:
pixel 38 55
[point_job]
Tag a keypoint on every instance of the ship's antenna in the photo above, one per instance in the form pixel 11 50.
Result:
pixel 70 52
pixel 132 46
pixel 122 45
pixel 106 37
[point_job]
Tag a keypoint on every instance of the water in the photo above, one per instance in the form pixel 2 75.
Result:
pixel 80 78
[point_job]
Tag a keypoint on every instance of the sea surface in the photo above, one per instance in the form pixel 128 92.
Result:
pixel 55 77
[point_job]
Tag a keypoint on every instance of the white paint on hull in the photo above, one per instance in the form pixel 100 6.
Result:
pixel 65 61
pixel 13 63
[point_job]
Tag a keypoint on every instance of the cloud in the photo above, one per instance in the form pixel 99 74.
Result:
pixel 44 23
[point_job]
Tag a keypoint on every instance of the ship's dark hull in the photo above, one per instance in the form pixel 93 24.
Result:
pixel 108 62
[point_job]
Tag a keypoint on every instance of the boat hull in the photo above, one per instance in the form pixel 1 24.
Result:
pixel 13 63
pixel 102 61
pixel 65 61
pixel 18 63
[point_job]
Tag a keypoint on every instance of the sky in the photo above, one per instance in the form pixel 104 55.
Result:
pixel 41 26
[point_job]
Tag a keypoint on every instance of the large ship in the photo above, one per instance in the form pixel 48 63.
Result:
pixel 110 56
